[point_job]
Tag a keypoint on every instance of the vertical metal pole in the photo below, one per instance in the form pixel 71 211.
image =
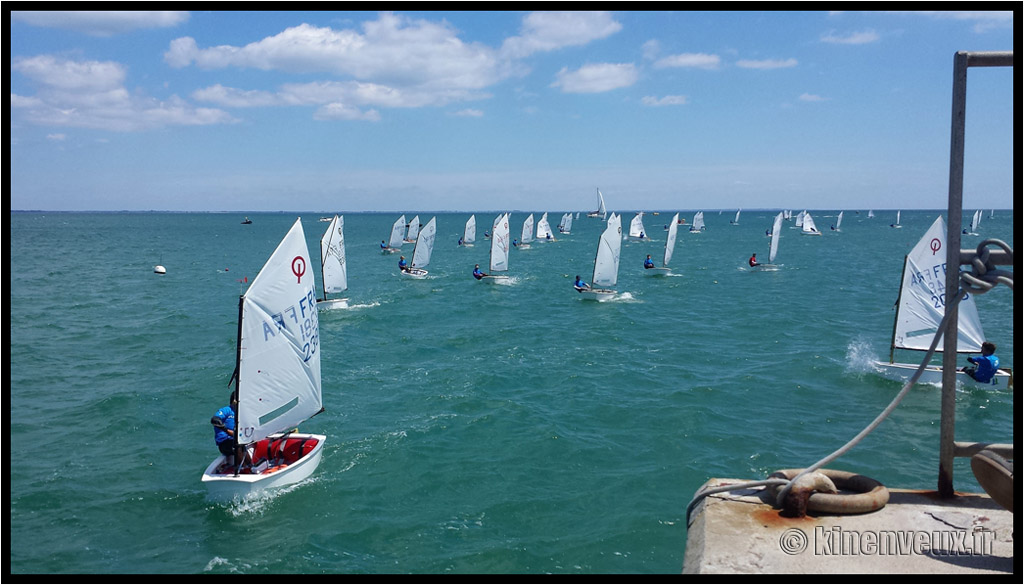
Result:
pixel 954 221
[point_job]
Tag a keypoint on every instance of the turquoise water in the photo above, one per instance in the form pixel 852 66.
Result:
pixel 471 428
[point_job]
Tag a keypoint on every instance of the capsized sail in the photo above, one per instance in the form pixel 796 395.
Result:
pixel 922 301
pixel 279 348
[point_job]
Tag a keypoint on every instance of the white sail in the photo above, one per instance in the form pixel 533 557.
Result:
pixel 544 228
pixel 332 257
pixel 698 222
pixel 871 213
pixel 773 246
pixel 670 241
pixel 500 245
pixel 414 230
pixel 527 236
pixel 636 226
pixel 922 301
pixel 799 222
pixel 397 233
pixel 566 225
pixel 839 220
pixel 279 349
pixel 424 244
pixel 606 262
pixel 975 222
pixel 469 236
pixel 808 227
pixel 737 220
pixel 601 211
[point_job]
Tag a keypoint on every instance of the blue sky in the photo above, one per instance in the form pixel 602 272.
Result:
pixel 408 111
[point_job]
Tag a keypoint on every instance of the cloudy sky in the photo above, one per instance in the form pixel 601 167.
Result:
pixel 408 111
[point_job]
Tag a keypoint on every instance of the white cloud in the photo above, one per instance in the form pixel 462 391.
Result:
pixel 766 63
pixel 669 100
pixel 596 78
pixel 855 38
pixel 469 113
pixel 57 137
pixel 548 31
pixel 101 23
pixel 810 97
pixel 699 60
pixel 340 111
pixel 91 94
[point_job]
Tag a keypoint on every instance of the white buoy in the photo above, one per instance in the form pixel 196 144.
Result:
pixel 159 269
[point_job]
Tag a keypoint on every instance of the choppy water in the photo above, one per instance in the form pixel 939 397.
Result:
pixel 471 428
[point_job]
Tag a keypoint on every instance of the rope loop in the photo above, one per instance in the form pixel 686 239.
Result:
pixel 985 275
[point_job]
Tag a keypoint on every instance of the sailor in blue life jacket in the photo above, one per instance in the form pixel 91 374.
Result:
pixel 985 367
pixel 579 285
pixel 383 245
pixel 515 243
pixel 476 272
pixel 403 265
pixel 224 429
pixel 460 241
pixel 648 263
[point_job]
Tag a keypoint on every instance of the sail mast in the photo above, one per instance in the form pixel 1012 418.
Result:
pixel 896 319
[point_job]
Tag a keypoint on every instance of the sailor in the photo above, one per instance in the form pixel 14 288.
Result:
pixel 648 263
pixel 580 285
pixel 223 422
pixel 403 265
pixel 476 272
pixel 753 260
pixel 985 366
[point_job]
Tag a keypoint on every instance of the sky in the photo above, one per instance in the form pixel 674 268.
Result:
pixel 503 110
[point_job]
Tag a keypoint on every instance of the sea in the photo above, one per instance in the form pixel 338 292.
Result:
pixel 471 428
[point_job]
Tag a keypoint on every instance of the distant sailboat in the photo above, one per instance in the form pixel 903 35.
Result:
pixel 414 230
pixel 565 226
pixel 636 227
pixel 469 236
pixel 975 222
pixel 397 237
pixel 773 246
pixel 670 244
pixel 921 307
pixel 527 234
pixel 333 269
pixel 606 262
pixel 421 253
pixel 698 223
pixel 277 378
pixel 544 233
pixel 808 228
pixel 897 224
pixel 601 211
pixel 499 252
pixel 839 222
pixel 736 221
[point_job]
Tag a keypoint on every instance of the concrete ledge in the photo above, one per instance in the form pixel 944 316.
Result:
pixel 916 532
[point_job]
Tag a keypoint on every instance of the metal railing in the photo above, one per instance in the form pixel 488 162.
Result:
pixel 949 448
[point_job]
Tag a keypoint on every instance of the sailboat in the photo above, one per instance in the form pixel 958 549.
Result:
pixel 499 252
pixel 871 214
pixel 397 237
pixel 606 262
pixel 636 227
pixel 897 224
pixel 698 223
pixel 975 222
pixel 670 244
pixel 469 236
pixel 920 308
pixel 808 228
pixel 565 226
pixel 421 253
pixel 773 246
pixel 736 221
pixel 839 222
pixel 601 211
pixel 527 234
pixel 277 377
pixel 333 270
pixel 544 233
pixel 414 230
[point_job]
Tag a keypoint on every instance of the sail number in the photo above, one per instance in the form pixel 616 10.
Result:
pixel 933 280
pixel 301 317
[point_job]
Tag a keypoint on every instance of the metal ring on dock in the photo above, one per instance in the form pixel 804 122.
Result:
pixel 868 495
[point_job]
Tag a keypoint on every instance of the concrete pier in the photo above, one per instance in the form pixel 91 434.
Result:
pixel 915 533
